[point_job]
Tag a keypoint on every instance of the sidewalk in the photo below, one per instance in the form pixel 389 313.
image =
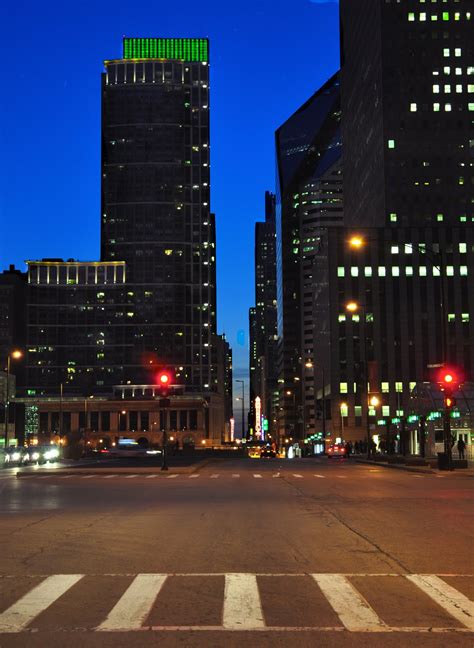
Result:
pixel 467 472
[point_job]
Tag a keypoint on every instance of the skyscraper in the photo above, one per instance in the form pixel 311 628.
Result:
pixel 263 318
pixel 156 203
pixel 308 151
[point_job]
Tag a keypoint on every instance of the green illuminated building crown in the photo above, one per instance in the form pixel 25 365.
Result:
pixel 185 49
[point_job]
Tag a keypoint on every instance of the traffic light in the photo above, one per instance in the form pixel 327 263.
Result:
pixel 449 380
pixel 164 381
pixel 449 402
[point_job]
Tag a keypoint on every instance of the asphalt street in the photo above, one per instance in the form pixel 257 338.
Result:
pixel 267 552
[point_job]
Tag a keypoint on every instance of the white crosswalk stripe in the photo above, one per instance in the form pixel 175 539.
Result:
pixel 276 475
pixel 321 476
pixel 243 606
pixel 195 476
pixel 130 476
pixel 235 476
pixel 151 476
pixel 214 476
pixel 172 476
pixel 354 612
pixel 19 615
pixel 298 476
pixel 135 605
pixel 109 476
pixel 257 476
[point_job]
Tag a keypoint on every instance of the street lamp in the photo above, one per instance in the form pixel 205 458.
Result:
pixel 243 406
pixel 15 355
pixel 343 408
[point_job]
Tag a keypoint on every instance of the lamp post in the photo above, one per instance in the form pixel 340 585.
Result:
pixel 16 355
pixel 243 407
pixel 343 406
pixel 353 307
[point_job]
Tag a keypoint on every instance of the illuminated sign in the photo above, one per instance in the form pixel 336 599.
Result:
pixel 258 413
pixel 232 429
pixel 181 49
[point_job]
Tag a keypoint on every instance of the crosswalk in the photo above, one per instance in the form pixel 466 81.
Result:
pixel 240 602
pixel 201 475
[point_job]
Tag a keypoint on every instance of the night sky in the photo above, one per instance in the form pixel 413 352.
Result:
pixel 267 58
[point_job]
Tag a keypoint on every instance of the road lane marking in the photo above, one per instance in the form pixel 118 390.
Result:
pixel 352 609
pixel 214 476
pixel 110 476
pixel 455 603
pixel 21 613
pixel 130 476
pixel 171 476
pixel 87 476
pixel 235 476
pixel 135 604
pixel 257 476
pixel 321 476
pixel 193 476
pixel 151 476
pixel 298 476
pixel 242 606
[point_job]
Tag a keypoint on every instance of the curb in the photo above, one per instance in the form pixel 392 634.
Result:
pixel 422 471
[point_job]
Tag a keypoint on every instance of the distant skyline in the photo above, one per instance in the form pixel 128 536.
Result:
pixel 267 58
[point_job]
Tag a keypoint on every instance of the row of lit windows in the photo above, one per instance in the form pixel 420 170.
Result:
pixel 385 387
pixel 447 88
pixel 369 317
pixel 382 271
pixel 439 218
pixel 445 16
pixel 457 70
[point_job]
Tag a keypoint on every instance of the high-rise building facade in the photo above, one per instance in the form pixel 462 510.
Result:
pixel 309 187
pixel 156 203
pixel 263 319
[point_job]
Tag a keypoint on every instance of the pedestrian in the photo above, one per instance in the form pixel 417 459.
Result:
pixel 356 447
pixel 348 448
pixel 461 447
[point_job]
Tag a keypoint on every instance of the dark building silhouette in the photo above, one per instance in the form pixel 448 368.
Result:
pixel 263 319
pixel 156 203
pixel 308 150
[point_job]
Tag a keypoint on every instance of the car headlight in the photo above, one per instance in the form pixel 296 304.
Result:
pixel 35 456
pixel 16 456
pixel 51 454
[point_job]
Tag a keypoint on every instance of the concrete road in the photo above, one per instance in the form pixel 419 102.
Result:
pixel 267 552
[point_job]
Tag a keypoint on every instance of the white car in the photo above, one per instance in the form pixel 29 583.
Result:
pixel 131 450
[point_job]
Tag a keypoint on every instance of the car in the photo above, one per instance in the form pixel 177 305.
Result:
pixel 131 450
pixel 337 450
pixel 267 453
pixel 16 456
pixel 42 454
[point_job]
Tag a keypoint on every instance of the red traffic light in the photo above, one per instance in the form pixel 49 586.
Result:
pixel 449 379
pixel 164 379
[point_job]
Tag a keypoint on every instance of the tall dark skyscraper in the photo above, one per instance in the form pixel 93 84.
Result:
pixel 308 151
pixel 263 318
pixel 156 203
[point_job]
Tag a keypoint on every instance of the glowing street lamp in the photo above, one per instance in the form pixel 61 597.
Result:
pixel 16 354
pixel 356 241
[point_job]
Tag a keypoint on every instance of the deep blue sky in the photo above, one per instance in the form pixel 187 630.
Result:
pixel 267 58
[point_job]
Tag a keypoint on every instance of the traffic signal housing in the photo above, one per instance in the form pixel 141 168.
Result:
pixel 164 381
pixel 449 380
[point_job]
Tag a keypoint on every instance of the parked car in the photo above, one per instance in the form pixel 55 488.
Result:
pixel 267 453
pixel 337 450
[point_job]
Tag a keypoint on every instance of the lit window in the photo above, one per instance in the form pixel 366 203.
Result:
pixel 409 271
pixel 458 88
pixel 450 271
pixel 470 87
pixel 446 51
pixel 445 15
pixel 462 219
pixel 422 16
pixel 393 218
pixel 382 271
pixel 447 88
pixel 440 218
pixel 413 107
pixel 343 388
pixel 341 272
pixel 436 107
pixel 458 71
pixel 385 388
pixel 470 107
pixel 447 107
pixel 447 69
pixel 354 271
pixel 458 51
pixel 411 17
pixel 342 318
pixel 435 88
pixel 394 249
pixel 463 271
pixel 391 144
pixel 451 317
pixel 408 248
pixel 464 318
pixel 395 271
pixel 436 271
pixel 462 248
pixel 385 410
pixel 398 387
pixel 358 411
pixel 368 271
pixel 422 271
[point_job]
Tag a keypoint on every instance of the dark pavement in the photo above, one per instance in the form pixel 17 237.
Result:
pixel 268 552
